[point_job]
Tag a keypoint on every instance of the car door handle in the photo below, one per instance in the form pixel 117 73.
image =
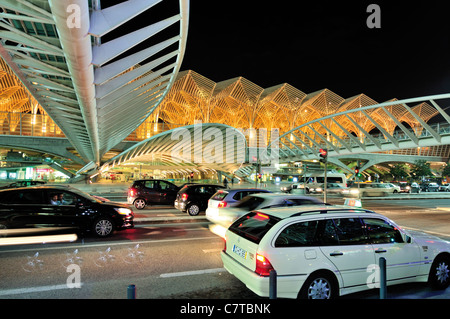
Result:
pixel 379 251
pixel 336 253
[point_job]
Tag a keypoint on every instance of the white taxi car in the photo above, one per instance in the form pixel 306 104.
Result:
pixel 323 252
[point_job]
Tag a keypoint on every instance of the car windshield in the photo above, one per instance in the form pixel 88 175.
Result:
pixel 254 226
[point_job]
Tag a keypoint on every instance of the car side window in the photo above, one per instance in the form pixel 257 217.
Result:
pixel 240 195
pixel 25 197
pixel 164 185
pixel 381 232
pixel 299 235
pixel 149 184
pixel 343 231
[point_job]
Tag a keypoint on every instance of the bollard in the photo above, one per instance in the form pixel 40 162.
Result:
pixel 382 278
pixel 273 284
pixel 131 292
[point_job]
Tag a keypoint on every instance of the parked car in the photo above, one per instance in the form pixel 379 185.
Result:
pixel 444 188
pixel 415 188
pixel 194 198
pixel 321 252
pixel 151 191
pixel 225 216
pixel 373 189
pixel 405 187
pixel 430 187
pixel 296 188
pixel 23 184
pixel 53 206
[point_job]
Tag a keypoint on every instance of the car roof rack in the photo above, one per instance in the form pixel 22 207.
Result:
pixel 334 210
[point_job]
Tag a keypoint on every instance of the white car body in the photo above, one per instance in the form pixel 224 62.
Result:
pixel 227 215
pixel 351 267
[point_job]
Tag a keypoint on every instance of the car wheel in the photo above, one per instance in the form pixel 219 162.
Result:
pixel 139 203
pixel 193 209
pixel 103 227
pixel 440 273
pixel 319 286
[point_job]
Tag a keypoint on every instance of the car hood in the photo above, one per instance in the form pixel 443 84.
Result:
pixel 114 204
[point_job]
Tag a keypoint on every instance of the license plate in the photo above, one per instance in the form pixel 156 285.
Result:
pixel 239 251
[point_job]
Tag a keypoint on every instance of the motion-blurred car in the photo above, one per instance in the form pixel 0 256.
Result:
pixel 397 188
pixel 404 187
pixel 194 198
pixel 373 189
pixel 225 216
pixel 53 206
pixel 151 191
pixel 333 188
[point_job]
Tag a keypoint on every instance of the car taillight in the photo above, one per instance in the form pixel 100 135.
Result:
pixel 132 192
pixel 225 244
pixel 222 204
pixel 263 266
pixel 184 196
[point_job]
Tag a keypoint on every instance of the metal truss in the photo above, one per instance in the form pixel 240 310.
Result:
pixel 192 147
pixel 392 125
pixel 96 91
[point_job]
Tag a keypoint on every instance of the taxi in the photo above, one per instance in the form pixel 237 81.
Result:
pixel 321 252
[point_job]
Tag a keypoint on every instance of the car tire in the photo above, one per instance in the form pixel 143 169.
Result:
pixel 103 227
pixel 140 203
pixel 320 285
pixel 193 209
pixel 439 277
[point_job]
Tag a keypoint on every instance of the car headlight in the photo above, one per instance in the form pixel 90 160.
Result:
pixel 354 191
pixel 407 187
pixel 318 189
pixel 123 211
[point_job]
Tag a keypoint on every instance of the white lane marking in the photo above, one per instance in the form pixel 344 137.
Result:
pixel 192 272
pixel 20 291
pixel 88 245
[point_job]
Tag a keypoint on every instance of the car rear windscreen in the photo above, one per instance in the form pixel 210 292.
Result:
pixel 254 226
pixel 220 195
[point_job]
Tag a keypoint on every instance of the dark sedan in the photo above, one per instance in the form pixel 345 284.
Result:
pixel 53 206
pixel 194 198
pixel 144 192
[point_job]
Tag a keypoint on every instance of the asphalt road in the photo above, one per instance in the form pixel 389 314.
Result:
pixel 172 256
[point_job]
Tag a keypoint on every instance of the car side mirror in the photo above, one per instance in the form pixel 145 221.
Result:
pixel 408 239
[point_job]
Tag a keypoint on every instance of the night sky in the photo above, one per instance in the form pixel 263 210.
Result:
pixel 323 44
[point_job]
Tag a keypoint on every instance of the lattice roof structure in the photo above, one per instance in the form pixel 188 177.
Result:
pixel 242 104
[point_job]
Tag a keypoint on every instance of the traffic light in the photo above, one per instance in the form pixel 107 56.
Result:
pixel 357 172
pixel 323 153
